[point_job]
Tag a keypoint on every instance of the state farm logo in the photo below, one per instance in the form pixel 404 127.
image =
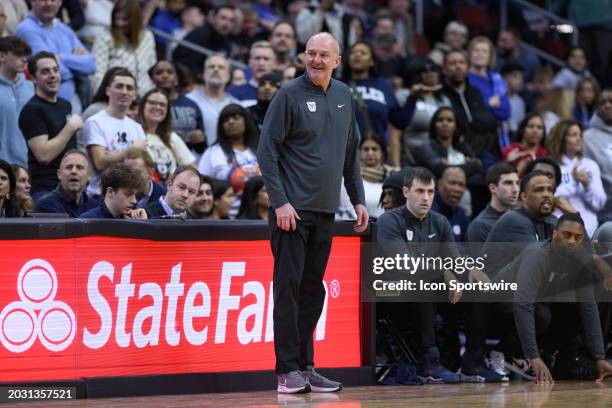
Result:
pixel 37 315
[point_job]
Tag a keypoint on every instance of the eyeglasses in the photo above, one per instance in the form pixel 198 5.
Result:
pixel 156 103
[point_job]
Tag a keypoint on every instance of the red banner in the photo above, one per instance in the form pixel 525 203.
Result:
pixel 102 306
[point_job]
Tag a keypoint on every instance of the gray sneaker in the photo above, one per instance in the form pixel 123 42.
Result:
pixel 292 383
pixel 318 383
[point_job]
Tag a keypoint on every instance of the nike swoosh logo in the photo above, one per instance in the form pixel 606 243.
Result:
pixel 339 106
pixel 432 235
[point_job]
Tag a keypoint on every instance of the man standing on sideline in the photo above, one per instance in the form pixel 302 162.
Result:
pixel 15 92
pixel 309 130
pixel 46 124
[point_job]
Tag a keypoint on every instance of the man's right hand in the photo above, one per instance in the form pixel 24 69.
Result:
pixel 542 373
pixel 75 122
pixel 286 217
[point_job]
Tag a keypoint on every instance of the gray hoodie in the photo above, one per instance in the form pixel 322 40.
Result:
pixel 13 96
pixel 598 147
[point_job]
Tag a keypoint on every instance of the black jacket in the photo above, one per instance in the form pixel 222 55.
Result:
pixel 474 120
pixel 155 210
pixel 308 143
pixel 543 274
pixel 432 236
pixel 430 155
pixel 512 232
pixel 204 37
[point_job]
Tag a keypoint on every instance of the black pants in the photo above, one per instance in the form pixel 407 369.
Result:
pixel 300 259
pixel 557 324
pixel 477 323
pixel 424 314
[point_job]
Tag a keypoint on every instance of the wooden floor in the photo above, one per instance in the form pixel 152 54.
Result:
pixel 562 394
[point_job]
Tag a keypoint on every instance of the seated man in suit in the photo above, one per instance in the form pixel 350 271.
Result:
pixel 182 190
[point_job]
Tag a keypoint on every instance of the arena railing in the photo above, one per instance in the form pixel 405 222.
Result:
pixel 193 46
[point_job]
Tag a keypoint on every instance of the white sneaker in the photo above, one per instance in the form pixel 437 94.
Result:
pixel 497 363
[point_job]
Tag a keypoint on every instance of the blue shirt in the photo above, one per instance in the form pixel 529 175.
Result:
pixel 246 94
pixel 186 116
pixel 166 22
pixel 60 40
pixel 380 100
pixel 457 218
pixel 13 96
pixel 267 13
pixel 489 86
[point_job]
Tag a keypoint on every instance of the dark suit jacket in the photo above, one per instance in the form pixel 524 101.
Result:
pixel 158 191
pixel 155 210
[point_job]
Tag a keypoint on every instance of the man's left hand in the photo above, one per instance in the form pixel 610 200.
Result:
pixel 604 369
pixel 477 275
pixel 362 218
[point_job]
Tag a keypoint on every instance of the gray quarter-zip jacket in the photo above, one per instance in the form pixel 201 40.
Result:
pixel 309 141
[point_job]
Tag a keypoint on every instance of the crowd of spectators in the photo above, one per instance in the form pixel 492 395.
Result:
pixel 104 115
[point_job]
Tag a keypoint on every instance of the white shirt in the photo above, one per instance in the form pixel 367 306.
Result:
pixel 111 133
pixel 97 18
pixel 214 163
pixel 167 159
pixel 165 206
pixel 586 201
pixel 373 192
pixel 211 108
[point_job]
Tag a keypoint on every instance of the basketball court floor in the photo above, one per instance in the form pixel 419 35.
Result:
pixel 562 394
